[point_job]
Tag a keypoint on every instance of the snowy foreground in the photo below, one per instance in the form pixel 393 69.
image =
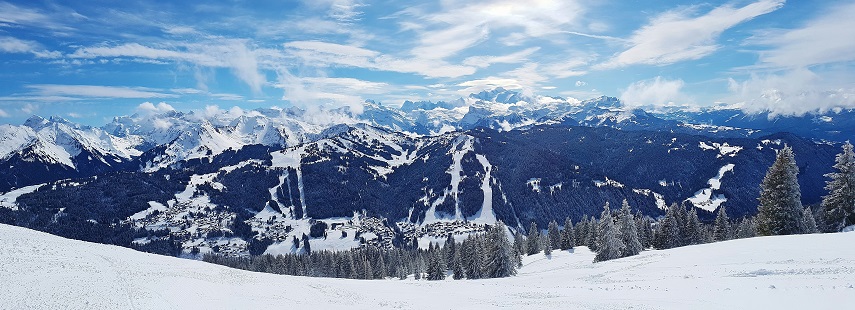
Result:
pixel 41 271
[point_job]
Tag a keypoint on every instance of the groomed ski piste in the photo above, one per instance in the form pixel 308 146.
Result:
pixel 42 271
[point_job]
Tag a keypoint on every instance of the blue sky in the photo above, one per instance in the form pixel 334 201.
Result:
pixel 91 60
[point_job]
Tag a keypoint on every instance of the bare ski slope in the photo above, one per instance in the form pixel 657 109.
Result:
pixel 41 271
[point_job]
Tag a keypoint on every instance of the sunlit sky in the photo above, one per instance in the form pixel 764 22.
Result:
pixel 91 60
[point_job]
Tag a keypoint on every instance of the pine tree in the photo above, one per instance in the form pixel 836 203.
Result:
pixel 581 231
pixel 780 210
pixel 435 271
pixel 567 235
pixel 533 238
pixel 747 229
pixel 593 232
pixel 449 249
pixel 554 235
pixel 457 266
pixel 682 217
pixel 839 204
pixel 694 230
pixel 609 243
pixel 721 230
pixel 547 250
pixel 668 231
pixel 643 230
pixel 307 248
pixel 499 255
pixel 519 247
pixel 474 259
pixel 808 222
pixel 628 231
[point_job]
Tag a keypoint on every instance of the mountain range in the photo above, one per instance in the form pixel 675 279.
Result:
pixel 229 180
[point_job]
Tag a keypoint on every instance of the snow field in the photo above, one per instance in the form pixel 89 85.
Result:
pixel 42 271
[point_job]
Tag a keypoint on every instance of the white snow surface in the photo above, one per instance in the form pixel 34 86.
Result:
pixel 9 199
pixel 704 198
pixel 724 149
pixel 486 214
pixel 42 271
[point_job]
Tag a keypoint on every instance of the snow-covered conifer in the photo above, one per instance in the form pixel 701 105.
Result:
pixel 721 230
pixel 808 222
pixel 780 210
pixel 747 229
pixel 533 239
pixel 609 243
pixel 567 235
pixel 554 235
pixel 593 232
pixel 628 231
pixel 581 231
pixel 668 231
pixel 499 254
pixel 694 230
pixel 547 249
pixel 839 204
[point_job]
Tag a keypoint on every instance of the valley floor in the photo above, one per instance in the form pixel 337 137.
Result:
pixel 41 271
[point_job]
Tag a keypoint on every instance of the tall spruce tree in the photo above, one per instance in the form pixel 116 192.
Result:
pixel 457 266
pixel 808 222
pixel 554 235
pixel 547 248
pixel 628 231
pixel 643 226
pixel 780 210
pixel 609 243
pixel 721 230
pixel 747 229
pixel 499 255
pixel 694 231
pixel 839 204
pixel 568 237
pixel 519 247
pixel 449 248
pixel 667 233
pixel 581 231
pixel 533 239
pixel 593 232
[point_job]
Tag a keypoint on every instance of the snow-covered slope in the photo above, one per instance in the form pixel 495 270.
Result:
pixel 41 271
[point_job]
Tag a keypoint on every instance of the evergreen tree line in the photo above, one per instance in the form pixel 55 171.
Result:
pixel 484 255
pixel 780 211
pixel 613 235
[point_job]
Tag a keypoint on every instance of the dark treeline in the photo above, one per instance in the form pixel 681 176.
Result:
pixel 483 255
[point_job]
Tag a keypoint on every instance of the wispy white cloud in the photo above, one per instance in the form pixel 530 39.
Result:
pixel 486 61
pixel 679 35
pixel 573 66
pixel 11 14
pixel 229 97
pixel 225 53
pixel 314 53
pixel 654 92
pixel 96 91
pixel 824 39
pixel 794 92
pixel 461 25
pixel 3 113
pixel 801 70
pixel 312 92
pixel 15 45
pixel 525 78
